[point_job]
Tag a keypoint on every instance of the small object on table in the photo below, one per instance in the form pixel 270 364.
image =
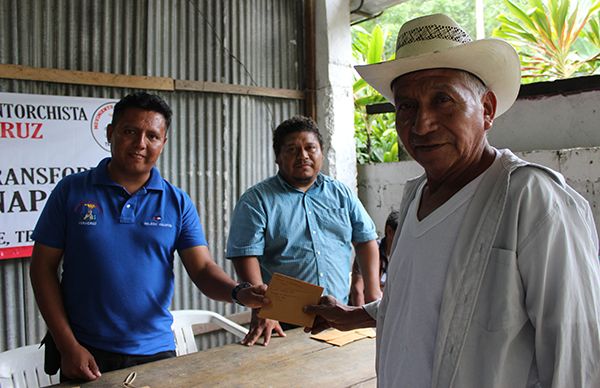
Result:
pixel 341 338
pixel 128 382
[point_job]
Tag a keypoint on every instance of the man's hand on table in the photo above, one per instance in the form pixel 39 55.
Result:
pixel 261 327
pixel 79 364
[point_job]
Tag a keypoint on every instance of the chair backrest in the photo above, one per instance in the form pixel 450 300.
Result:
pixel 184 335
pixel 24 368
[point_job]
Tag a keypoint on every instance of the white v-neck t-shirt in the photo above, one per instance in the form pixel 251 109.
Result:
pixel 416 278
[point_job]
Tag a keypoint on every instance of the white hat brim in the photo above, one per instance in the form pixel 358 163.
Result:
pixel 494 61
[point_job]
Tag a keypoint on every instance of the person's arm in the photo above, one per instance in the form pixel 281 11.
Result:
pixel 559 272
pixel 357 286
pixel 331 313
pixel 367 254
pixel 248 270
pixel 76 361
pixel 213 282
pixel 564 271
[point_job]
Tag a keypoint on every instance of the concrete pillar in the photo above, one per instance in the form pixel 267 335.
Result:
pixel 335 105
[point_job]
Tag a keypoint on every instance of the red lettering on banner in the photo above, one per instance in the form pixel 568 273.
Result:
pixel 6 130
pixel 21 130
pixel 99 115
pixel 36 132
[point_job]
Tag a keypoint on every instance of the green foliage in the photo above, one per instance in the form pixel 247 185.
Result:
pixel 374 41
pixel 462 11
pixel 553 37
pixel 592 34
pixel 378 144
pixel 375 135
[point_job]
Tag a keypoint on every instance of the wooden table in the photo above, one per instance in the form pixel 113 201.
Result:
pixel 294 361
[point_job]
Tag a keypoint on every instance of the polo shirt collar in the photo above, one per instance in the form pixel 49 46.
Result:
pixel 100 176
pixel 155 181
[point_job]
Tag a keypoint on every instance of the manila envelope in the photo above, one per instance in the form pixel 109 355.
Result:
pixel 288 296
pixel 341 338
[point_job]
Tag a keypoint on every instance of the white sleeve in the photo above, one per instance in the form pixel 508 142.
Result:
pixel 372 308
pixel 559 266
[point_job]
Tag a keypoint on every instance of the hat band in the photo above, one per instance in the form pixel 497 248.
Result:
pixel 429 32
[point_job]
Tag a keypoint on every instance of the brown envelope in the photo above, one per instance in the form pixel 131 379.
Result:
pixel 341 338
pixel 288 296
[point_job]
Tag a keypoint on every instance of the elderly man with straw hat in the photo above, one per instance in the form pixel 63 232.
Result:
pixel 494 278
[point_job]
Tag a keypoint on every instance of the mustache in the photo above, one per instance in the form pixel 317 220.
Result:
pixel 426 140
pixel 303 163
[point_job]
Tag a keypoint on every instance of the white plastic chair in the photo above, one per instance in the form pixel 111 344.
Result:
pixel 184 335
pixel 24 368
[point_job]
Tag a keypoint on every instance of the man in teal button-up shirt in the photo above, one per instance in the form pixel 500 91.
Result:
pixel 301 223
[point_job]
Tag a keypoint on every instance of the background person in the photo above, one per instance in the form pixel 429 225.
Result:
pixel 356 297
pixel 301 223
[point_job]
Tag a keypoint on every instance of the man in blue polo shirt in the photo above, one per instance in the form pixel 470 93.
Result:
pixel 301 223
pixel 116 228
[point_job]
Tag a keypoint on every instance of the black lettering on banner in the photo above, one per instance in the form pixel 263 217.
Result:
pixel 30 199
pixel 23 236
pixel 36 176
pixel 16 202
pixel 11 178
pixel 41 172
pixel 21 202
pixel 42 112
pixel 35 197
pixel 54 175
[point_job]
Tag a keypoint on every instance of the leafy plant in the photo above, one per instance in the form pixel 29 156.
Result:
pixel 592 34
pixel 591 37
pixel 375 135
pixel 551 39
pixel 383 140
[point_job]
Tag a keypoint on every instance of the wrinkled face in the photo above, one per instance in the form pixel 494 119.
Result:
pixel 300 159
pixel 136 141
pixel 441 118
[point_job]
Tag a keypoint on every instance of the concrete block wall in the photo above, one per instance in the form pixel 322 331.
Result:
pixel 549 122
pixel 380 186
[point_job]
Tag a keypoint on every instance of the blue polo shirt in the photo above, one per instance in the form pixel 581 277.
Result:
pixel 307 235
pixel 117 279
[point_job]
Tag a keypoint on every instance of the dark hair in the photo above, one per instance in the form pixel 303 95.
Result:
pixel 295 124
pixel 392 219
pixel 145 101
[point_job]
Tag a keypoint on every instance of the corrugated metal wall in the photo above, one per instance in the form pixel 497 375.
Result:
pixel 220 144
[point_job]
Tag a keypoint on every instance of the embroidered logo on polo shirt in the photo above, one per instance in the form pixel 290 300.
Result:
pixel 88 212
pixel 157 221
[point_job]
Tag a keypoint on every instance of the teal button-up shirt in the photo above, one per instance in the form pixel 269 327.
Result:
pixel 306 235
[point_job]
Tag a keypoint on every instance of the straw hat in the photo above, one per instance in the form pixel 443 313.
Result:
pixel 437 41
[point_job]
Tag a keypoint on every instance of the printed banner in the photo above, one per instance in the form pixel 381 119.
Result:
pixel 43 139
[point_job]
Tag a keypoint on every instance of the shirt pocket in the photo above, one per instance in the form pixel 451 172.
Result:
pixel 501 304
pixel 335 224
